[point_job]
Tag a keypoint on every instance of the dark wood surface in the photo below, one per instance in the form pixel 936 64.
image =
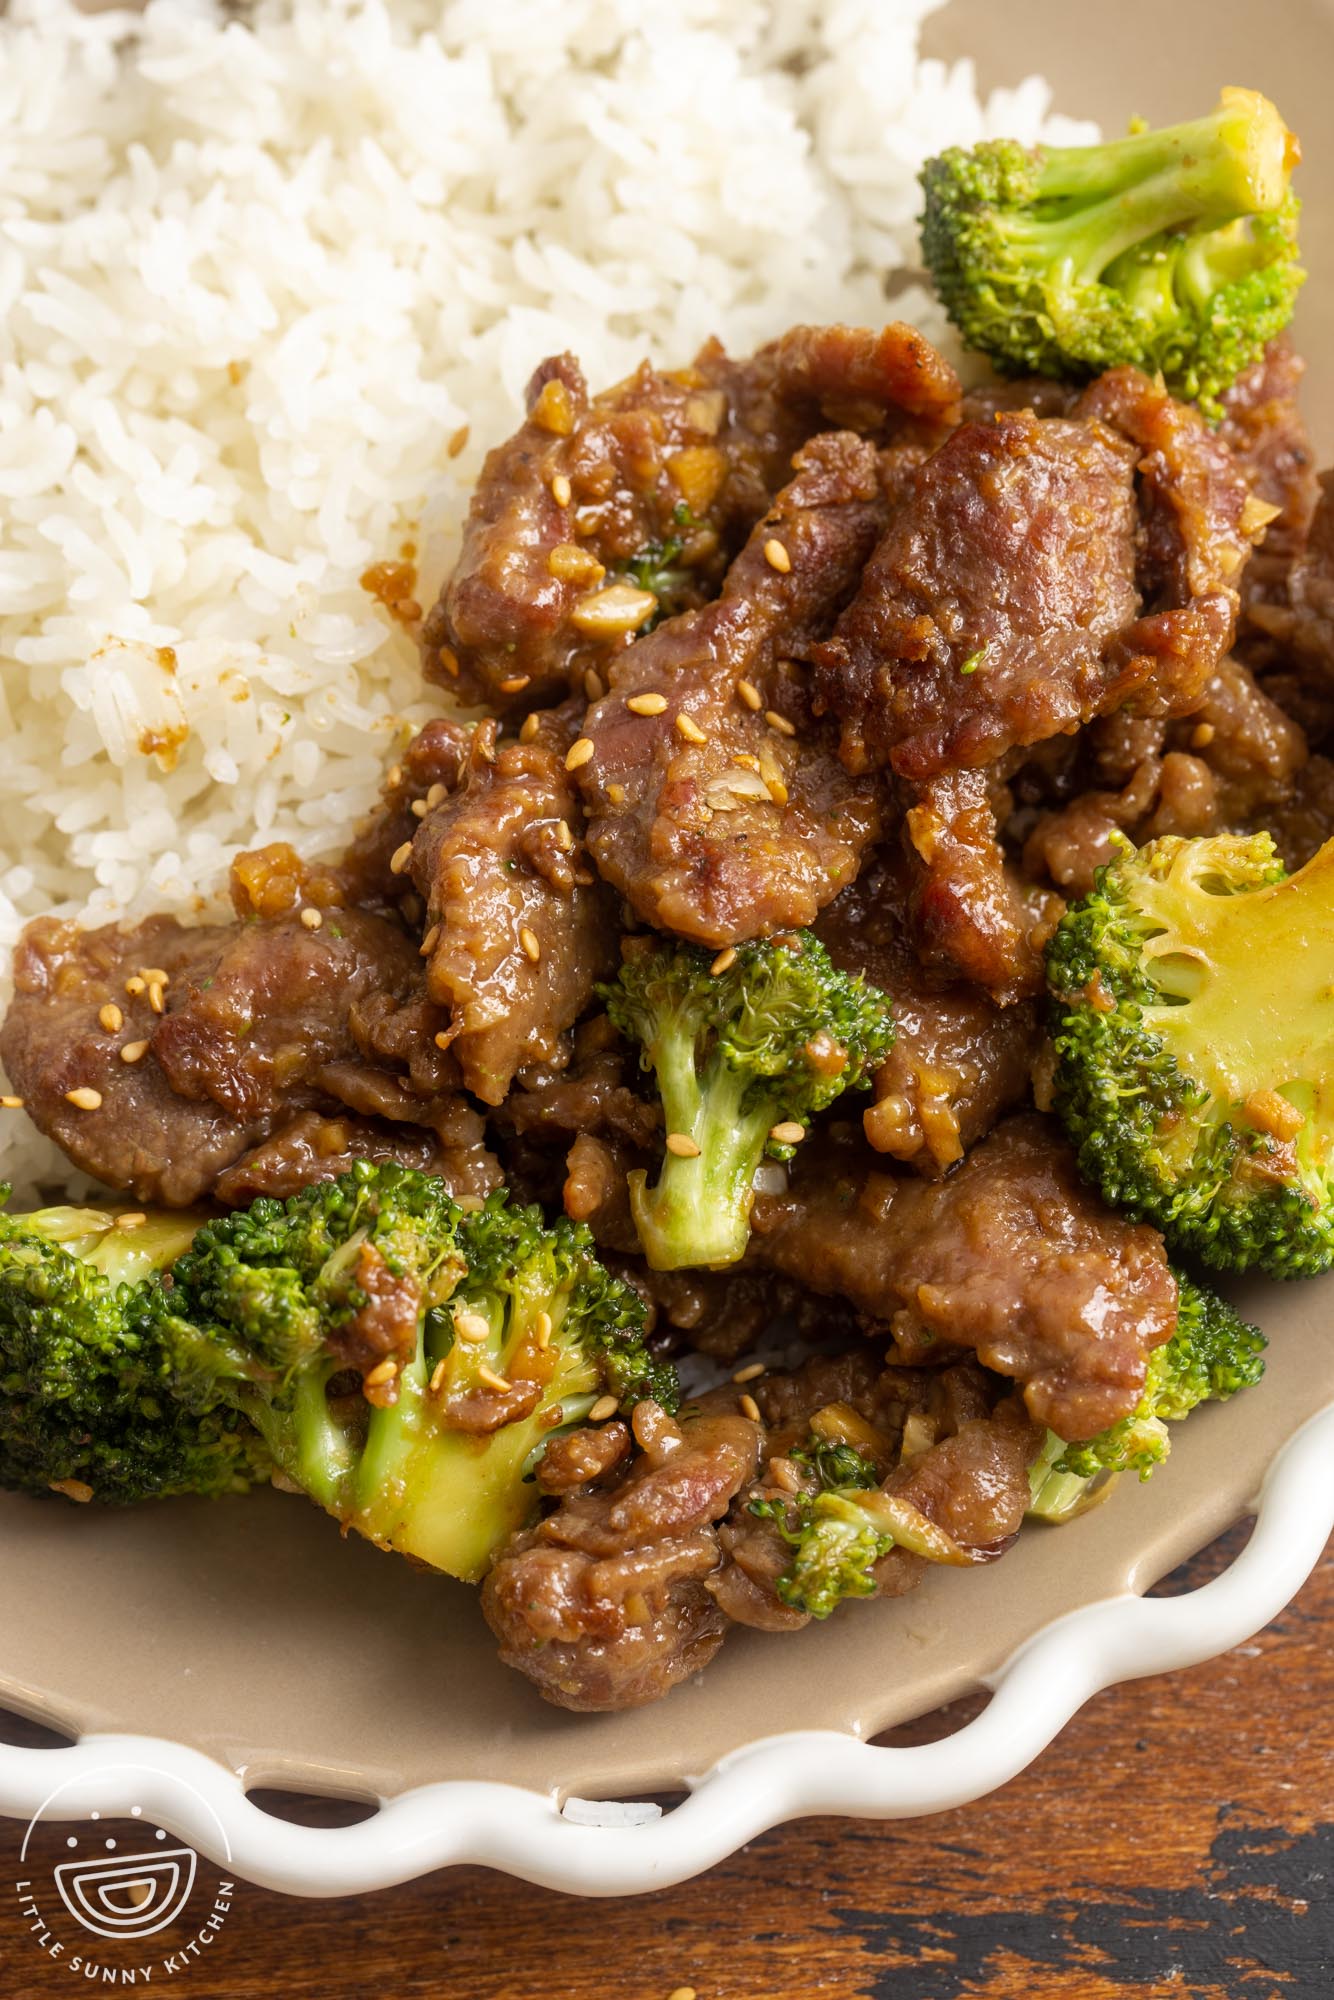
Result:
pixel 1176 1843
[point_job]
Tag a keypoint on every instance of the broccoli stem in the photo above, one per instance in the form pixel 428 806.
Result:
pixel 1058 1496
pixel 1234 162
pixel 699 1210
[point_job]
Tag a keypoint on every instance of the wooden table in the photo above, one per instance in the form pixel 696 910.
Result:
pixel 1176 1843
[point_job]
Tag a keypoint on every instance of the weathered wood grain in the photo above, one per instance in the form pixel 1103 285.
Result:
pixel 1177 1843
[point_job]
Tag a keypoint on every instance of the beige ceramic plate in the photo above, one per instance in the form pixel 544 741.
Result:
pixel 249 1631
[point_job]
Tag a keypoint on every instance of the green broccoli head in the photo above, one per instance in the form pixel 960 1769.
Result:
pixel 744 1058
pixel 86 1400
pixel 1211 1356
pixel 406 1362
pixel 840 1529
pixel 1194 1042
pixel 1175 250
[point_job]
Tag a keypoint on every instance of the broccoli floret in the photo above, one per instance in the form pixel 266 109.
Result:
pixel 1212 1355
pixel 1174 250
pixel 841 1531
pixel 86 1404
pixel 1194 1046
pixel 765 1043
pixel 501 1329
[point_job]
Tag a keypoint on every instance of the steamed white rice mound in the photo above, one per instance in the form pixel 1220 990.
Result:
pixel 259 266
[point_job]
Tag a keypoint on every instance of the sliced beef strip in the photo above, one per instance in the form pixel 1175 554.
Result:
pixel 1226 767
pixel 1305 822
pixel 604 1605
pixel 958 1060
pixel 1036 572
pixel 519 929
pixel 688 459
pixel 1298 622
pixel 318 1146
pixel 1265 432
pixel 725 815
pixel 971 916
pixel 255 1029
pixel 1010 1255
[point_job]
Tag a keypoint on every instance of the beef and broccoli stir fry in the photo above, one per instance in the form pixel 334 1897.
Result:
pixel 875 869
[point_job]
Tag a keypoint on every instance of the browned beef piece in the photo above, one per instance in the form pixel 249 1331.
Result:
pixel 519 930
pixel 258 1026
pixel 1225 767
pixel 592 1093
pixel 689 458
pixel 933 1436
pixel 1039 571
pixel 1010 1255
pixel 1297 622
pixel 725 815
pixel 970 915
pixel 958 1060
pixel 604 1604
pixel 1305 822
pixel 317 1146
pixel 1264 430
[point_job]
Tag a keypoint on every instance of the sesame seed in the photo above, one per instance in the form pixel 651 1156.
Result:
pixel 12 1103
pixel 312 918
pixel 531 724
pixel 110 1016
pixel 428 942
pixel 419 808
pixel 682 1993
pixel 133 1218
pixel 788 1133
pixel 383 1371
pixel 725 960
pixel 782 1472
pixel 579 753
pixel 400 858
pixel 154 973
pixel 459 439
pixel 646 704
pixel 605 1406
pixel 472 1326
pixel 443 1039
pixel 687 726
pixel 515 684
pixel 779 722
pixel 85 1098
pixel 560 490
pixel 616 793
pixel 73 1489
pixel 593 688
pixel 749 1408
pixel 134 986
pixel 132 1051
pixel 750 694
pixel 777 556
pixel 435 795
pixel 1202 735
pixel 564 838
pixel 395 777
pixel 751 1374
pixel 449 660
pixel 682 1145
pixel 437 1381
pixel 156 999
pixel 542 1330
pixel 492 1380
pixel 531 948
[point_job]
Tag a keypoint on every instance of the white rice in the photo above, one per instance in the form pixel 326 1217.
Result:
pixel 254 274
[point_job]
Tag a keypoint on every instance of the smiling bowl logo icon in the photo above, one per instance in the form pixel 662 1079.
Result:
pixel 133 1897
pixel 110 1892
